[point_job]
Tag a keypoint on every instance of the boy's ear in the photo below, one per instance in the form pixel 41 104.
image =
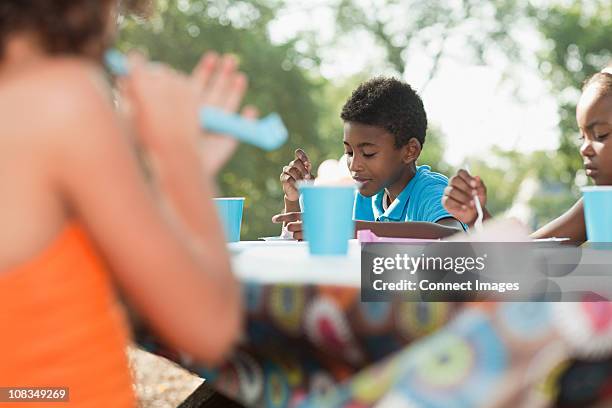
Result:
pixel 411 151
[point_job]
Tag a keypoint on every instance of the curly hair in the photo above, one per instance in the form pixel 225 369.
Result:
pixel 63 26
pixel 603 80
pixel 390 104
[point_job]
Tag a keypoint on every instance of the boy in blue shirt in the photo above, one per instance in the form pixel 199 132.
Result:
pixel 384 131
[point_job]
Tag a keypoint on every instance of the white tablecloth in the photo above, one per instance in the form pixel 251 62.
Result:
pixel 290 262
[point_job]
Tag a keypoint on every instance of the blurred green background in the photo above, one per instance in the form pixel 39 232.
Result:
pixel 286 78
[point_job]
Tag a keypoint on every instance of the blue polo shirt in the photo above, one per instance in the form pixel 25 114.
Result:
pixel 420 200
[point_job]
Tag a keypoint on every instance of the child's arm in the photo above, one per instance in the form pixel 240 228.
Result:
pixel 569 225
pixel 458 198
pixel 458 201
pixel 215 83
pixel 425 230
pixel 298 169
pixel 291 206
pixel 451 223
pixel 189 297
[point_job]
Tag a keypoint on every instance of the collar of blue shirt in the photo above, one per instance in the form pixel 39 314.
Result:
pixel 396 212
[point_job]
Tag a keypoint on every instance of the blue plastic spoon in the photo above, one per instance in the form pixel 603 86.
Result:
pixel 268 133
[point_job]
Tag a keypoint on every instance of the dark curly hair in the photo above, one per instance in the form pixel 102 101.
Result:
pixel 63 26
pixel 390 104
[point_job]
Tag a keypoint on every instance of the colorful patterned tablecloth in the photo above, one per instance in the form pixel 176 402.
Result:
pixel 320 346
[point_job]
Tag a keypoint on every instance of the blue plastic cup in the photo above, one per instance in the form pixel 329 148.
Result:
pixel 597 207
pixel 230 212
pixel 328 218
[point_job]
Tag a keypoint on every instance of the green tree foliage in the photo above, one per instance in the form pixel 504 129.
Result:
pixel 406 27
pixel 181 31
pixel 577 43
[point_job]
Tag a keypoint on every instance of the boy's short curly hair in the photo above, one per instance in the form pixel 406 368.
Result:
pixel 63 26
pixel 390 104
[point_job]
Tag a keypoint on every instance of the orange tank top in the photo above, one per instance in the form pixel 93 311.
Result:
pixel 61 326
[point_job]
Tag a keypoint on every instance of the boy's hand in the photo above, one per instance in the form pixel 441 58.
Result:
pixel 220 85
pixel 298 169
pixel 292 222
pixel 458 197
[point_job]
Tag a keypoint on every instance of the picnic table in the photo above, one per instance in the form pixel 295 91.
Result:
pixel 311 341
pixel 270 262
pixel 306 326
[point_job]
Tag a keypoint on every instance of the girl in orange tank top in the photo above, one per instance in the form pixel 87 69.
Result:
pixel 63 325
pixel 84 200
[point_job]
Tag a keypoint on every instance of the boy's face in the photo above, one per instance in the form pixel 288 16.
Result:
pixel 373 160
pixel 594 116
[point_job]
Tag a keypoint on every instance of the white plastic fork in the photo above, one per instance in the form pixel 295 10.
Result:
pixel 479 213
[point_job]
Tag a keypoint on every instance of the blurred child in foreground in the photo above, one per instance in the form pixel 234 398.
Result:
pixel 79 216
